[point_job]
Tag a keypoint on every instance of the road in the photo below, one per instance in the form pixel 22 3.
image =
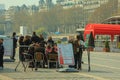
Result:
pixel 104 66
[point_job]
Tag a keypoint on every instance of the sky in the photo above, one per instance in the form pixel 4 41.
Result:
pixel 8 3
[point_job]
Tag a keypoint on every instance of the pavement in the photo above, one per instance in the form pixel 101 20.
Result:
pixel 104 66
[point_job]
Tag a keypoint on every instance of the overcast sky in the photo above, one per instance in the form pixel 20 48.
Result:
pixel 19 2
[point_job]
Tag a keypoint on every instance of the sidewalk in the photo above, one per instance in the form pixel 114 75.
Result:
pixel 5 78
pixel 104 66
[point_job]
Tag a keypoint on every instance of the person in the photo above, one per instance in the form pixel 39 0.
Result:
pixel 50 41
pixel 71 41
pixel 78 52
pixel 1 53
pixel 31 51
pixel 21 48
pixel 27 42
pixel 35 38
pixel 54 49
pixel 14 45
pixel 48 49
pixel 41 38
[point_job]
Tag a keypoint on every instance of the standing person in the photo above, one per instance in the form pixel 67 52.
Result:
pixel 21 48
pixel 14 45
pixel 1 53
pixel 50 41
pixel 71 40
pixel 78 52
pixel 35 38
pixel 41 38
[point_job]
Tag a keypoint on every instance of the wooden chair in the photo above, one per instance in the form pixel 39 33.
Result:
pixel 52 58
pixel 38 57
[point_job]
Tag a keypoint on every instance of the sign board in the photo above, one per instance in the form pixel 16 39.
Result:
pixel 8 45
pixel 65 54
pixel 23 30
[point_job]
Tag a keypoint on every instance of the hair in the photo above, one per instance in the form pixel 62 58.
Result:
pixel 34 33
pixel 14 33
pixel 21 38
pixel 78 37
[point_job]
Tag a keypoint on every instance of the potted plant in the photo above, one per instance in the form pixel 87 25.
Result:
pixel 107 46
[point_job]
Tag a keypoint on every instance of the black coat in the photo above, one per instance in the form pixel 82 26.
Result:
pixel 1 49
pixel 14 42
pixel 35 39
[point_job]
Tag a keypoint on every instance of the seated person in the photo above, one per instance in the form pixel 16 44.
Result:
pixel 48 49
pixel 54 49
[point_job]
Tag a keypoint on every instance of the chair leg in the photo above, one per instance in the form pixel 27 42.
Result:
pixel 17 65
pixel 35 65
pixel 56 64
pixel 48 64
pixel 42 64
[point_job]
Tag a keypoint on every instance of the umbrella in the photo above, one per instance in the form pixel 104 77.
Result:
pixel 90 44
pixel 91 40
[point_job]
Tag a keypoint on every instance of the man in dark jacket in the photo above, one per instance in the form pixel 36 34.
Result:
pixel 1 53
pixel 14 45
pixel 35 38
pixel 78 53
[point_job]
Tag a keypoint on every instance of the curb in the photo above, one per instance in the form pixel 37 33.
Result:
pixel 5 78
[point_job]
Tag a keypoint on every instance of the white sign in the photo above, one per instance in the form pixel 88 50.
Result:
pixel 65 54
pixel 23 30
pixel 8 47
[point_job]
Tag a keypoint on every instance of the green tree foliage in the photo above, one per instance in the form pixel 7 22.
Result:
pixel 40 30
pixel 66 20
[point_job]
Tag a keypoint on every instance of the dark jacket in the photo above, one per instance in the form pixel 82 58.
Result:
pixel 35 39
pixel 14 42
pixel 1 49
pixel 51 42
pixel 77 47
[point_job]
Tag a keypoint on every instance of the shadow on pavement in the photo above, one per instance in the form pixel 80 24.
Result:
pixel 99 71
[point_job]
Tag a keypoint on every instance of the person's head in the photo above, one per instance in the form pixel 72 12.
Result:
pixel 14 33
pixel 34 33
pixel 1 40
pixel 41 35
pixel 78 37
pixel 21 38
pixel 49 38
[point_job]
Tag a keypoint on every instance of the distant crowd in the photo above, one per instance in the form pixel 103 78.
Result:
pixel 35 43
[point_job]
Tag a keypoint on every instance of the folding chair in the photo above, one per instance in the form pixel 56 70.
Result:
pixel 52 58
pixel 28 58
pixel 38 57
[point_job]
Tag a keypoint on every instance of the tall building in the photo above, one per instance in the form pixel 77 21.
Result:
pixel 49 4
pixel 41 3
pixel 2 7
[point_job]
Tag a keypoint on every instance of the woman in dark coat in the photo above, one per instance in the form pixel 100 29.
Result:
pixel 14 45
pixel 21 48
